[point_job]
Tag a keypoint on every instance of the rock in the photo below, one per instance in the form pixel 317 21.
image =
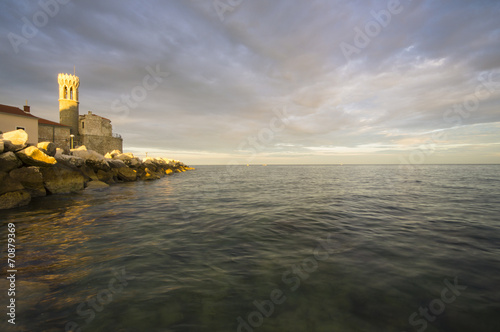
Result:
pixel 89 173
pixel 80 148
pixel 31 178
pixel 125 174
pixel 92 185
pixel 2 145
pixel 8 184
pixel 92 158
pixel 15 140
pixel 112 154
pixel 9 161
pixel 14 199
pixel 115 163
pixel 48 148
pixel 150 175
pixel 35 157
pixel 70 161
pixel 105 176
pixel 60 179
pixel 168 171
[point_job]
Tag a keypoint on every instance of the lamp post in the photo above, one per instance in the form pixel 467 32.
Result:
pixel 71 141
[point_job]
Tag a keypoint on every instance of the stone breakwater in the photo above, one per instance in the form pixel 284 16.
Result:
pixel 28 171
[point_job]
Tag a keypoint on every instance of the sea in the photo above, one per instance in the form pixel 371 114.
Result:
pixel 263 248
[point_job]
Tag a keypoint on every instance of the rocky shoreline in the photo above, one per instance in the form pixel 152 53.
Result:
pixel 28 171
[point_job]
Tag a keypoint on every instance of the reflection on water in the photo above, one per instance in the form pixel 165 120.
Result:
pixel 202 251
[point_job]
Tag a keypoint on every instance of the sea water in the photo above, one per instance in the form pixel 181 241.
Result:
pixel 276 248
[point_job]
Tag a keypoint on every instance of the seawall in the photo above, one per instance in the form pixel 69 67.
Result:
pixel 28 171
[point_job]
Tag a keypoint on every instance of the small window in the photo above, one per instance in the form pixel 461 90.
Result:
pixel 83 124
pixel 20 128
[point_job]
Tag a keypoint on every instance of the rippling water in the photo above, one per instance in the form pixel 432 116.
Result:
pixel 277 248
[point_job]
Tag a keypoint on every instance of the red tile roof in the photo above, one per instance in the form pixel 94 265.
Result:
pixel 48 122
pixel 17 111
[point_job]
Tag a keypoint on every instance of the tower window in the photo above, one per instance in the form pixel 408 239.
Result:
pixel 65 92
pixel 83 124
pixel 71 93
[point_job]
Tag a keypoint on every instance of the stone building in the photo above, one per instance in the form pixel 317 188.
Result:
pixel 93 131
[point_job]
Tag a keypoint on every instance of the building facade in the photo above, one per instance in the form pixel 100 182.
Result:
pixel 13 118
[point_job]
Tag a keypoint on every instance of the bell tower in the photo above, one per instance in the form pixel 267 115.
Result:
pixel 68 101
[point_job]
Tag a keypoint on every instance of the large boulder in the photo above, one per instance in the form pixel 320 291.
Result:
pixel 115 163
pixel 31 178
pixel 60 179
pixel 93 185
pixel 33 156
pixel 125 174
pixel 150 175
pixel 112 154
pixel 92 158
pixel 8 184
pixel 15 140
pixel 105 176
pixel 48 148
pixel 67 160
pixel 14 199
pixel 9 161
pixel 2 145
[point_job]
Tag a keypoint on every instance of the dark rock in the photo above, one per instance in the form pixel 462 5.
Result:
pixel 14 199
pixel 105 176
pixel 60 179
pixel 8 184
pixel 31 178
pixel 9 161
pixel 125 174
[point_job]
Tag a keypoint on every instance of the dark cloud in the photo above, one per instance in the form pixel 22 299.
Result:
pixel 225 78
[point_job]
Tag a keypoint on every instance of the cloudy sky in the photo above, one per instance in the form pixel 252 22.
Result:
pixel 268 81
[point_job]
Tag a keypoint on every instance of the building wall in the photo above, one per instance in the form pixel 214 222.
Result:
pixel 91 124
pixel 102 144
pixel 56 134
pixel 68 114
pixel 10 122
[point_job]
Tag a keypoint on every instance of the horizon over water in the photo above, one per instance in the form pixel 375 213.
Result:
pixel 277 248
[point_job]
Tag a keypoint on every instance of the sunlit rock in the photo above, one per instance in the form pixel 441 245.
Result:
pixel 15 140
pixel 35 157
pixel 48 148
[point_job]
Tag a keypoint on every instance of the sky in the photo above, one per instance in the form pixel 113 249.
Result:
pixel 268 81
